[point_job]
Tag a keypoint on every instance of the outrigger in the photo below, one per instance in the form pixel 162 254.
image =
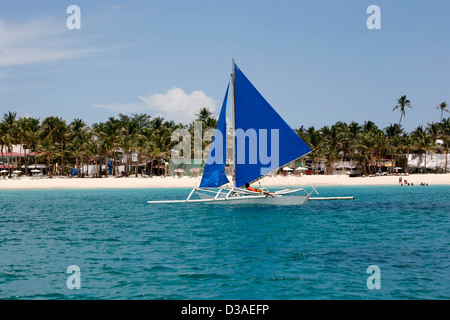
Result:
pixel 254 121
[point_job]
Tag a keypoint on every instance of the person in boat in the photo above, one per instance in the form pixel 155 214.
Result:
pixel 247 186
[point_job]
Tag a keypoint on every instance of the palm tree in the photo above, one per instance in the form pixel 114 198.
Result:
pixel 49 149
pixel 443 107
pixel 393 133
pixel 446 146
pixel 159 155
pixel 369 126
pixel 423 142
pixel 301 132
pixel 62 135
pixel 141 136
pixel 78 137
pixel 406 145
pixel 434 130
pixel 316 156
pixel 5 141
pixel 335 141
pixel 393 130
pixel 127 139
pixel 149 153
pixel 113 128
pixel 9 138
pixel 76 127
pixel 31 139
pixel 86 139
pixel 56 129
pixel 354 131
pixel 204 114
pixel 141 147
pixel 382 145
pixel 402 103
pixel 445 136
pixel 105 144
pixel 366 147
pixel 75 147
pixel 91 152
pixel 314 138
pixel 21 129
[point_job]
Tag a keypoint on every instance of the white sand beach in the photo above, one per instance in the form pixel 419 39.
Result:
pixel 188 182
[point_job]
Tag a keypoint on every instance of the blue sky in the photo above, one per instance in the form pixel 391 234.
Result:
pixel 316 62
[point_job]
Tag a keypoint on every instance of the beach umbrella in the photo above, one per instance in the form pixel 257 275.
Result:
pixel 35 170
pixel 178 172
pixel 4 171
pixel 287 169
pixel 194 170
pixel 301 168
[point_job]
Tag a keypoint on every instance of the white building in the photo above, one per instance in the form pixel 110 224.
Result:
pixel 433 161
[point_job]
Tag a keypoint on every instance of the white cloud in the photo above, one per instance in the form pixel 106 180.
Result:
pixel 179 104
pixel 36 41
pixel 174 105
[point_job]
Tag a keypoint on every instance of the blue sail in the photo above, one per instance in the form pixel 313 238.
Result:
pixel 264 141
pixel 214 173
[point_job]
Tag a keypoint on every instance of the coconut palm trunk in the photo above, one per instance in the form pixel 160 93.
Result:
pixel 425 162
pixel 402 103
pixel 446 156
pixel 27 160
pixel 20 152
pixel 106 164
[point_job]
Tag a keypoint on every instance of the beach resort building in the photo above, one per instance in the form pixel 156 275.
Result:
pixel 429 161
pixel 17 158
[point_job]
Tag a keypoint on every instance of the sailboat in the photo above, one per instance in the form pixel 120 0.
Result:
pixel 262 143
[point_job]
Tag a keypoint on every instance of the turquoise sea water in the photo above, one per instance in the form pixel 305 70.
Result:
pixel 128 249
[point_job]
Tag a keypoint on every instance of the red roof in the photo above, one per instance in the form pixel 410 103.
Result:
pixel 16 154
pixel 9 154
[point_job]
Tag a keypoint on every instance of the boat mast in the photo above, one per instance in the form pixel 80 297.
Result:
pixel 234 123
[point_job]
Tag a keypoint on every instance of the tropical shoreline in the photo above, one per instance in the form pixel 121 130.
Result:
pixel 189 182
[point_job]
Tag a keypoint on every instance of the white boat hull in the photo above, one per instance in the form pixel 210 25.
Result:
pixel 277 200
pixel 242 197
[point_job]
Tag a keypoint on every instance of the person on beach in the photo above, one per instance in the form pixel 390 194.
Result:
pixel 400 180
pixel 247 186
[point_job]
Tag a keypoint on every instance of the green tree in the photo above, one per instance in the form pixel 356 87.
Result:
pixel 49 151
pixel 423 142
pixel 445 136
pixel 443 107
pixel 8 134
pixel 31 139
pixel 402 103
pixel 56 130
